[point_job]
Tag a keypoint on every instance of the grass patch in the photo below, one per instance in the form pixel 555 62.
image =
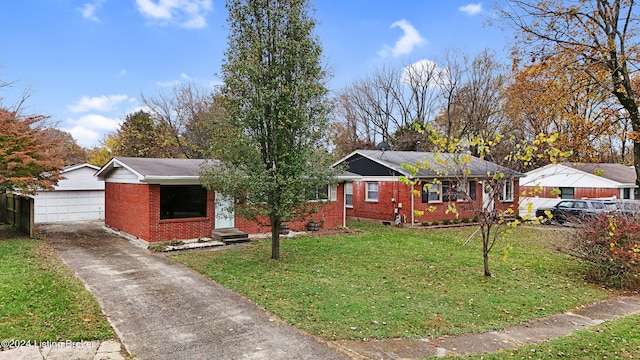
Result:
pixel 616 339
pixel 40 299
pixel 385 282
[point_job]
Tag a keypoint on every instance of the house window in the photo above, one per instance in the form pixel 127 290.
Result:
pixel 431 192
pixel 448 192
pixel 626 193
pixel 507 191
pixel 566 193
pixel 472 190
pixel 320 194
pixel 452 191
pixel 182 201
pixel 372 191
pixel 444 191
pixel 348 194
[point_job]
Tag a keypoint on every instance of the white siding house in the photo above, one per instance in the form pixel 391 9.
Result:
pixel 79 195
pixel 547 185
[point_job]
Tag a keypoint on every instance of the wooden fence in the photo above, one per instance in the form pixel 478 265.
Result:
pixel 17 210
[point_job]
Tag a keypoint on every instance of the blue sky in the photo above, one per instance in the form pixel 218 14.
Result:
pixel 86 62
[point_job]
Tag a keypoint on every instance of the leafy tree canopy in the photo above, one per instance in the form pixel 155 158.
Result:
pixel 276 100
pixel 25 161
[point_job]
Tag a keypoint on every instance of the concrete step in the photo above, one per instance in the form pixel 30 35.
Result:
pixel 230 235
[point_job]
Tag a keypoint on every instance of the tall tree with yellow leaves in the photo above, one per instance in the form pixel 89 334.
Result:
pixel 545 97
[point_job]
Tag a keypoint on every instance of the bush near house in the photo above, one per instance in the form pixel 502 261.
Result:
pixel 609 246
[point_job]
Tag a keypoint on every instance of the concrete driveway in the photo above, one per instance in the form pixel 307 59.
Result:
pixel 163 310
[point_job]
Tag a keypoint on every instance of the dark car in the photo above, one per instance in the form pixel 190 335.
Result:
pixel 573 210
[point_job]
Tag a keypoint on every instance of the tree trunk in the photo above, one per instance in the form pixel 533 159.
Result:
pixel 629 104
pixel 485 253
pixel 275 238
pixel 634 115
pixel 636 160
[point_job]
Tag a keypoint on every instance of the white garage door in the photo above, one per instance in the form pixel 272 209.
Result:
pixel 52 206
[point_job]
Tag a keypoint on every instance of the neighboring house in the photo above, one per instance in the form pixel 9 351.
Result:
pixel 78 196
pixel 546 186
pixel 378 194
pixel 163 199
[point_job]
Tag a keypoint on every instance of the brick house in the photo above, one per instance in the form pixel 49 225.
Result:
pixel 377 193
pixel 163 199
pixel 547 185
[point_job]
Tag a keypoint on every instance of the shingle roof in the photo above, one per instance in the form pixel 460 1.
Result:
pixel 439 163
pixel 154 170
pixel 154 167
pixel 616 172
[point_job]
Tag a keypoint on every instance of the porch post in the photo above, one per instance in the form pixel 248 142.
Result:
pixel 344 204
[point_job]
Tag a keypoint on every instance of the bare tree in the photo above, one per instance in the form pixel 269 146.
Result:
pixel 472 97
pixel 188 113
pixel 389 101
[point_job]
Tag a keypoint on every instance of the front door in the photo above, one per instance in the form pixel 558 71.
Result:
pixel 487 197
pixel 224 212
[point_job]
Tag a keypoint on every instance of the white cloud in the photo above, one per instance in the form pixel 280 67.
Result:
pixel 186 13
pixel 89 129
pixel 173 83
pixel 88 10
pixel 100 103
pixel 471 9
pixel 122 72
pixel 406 43
pixel 425 72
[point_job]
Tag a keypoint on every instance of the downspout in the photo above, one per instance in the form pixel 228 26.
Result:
pixel 412 205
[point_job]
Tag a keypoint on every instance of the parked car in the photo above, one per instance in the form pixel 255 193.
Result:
pixel 574 210
pixel 628 208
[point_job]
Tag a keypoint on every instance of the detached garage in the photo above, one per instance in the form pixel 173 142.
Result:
pixel 78 196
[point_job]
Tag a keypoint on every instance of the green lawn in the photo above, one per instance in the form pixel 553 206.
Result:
pixel 40 299
pixel 385 282
pixel 618 339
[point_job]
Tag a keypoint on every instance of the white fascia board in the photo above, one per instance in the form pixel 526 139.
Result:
pixel 80 166
pixel 115 163
pixel 343 159
pixel 378 178
pixel 348 178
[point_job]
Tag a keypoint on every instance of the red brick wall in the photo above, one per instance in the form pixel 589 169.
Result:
pixel 578 193
pixel 127 208
pixel 135 209
pixel 383 209
pixel 329 214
